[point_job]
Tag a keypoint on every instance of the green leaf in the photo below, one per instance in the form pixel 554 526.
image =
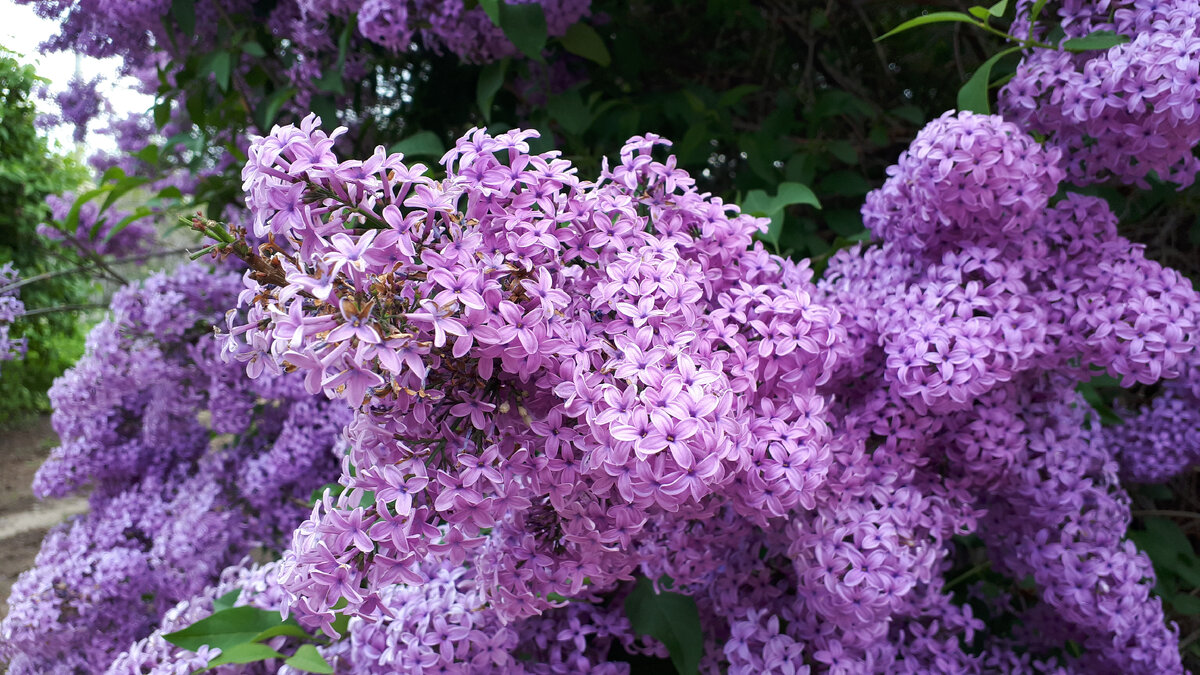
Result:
pixel 138 213
pixel 162 113
pixel 492 9
pixel 569 110
pixel 269 110
pixel 254 49
pixel 71 223
pixel 244 653
pixel 288 629
pixel 933 17
pixel 973 95
pixel 796 193
pixel 122 188
pixel 583 40
pixel 731 97
pixel 226 601
pixel 184 13
pixel 670 618
pixel 421 144
pixel 225 628
pixel 1036 10
pixel 340 624
pixel 1101 39
pixel 221 66
pixel 309 660
pixel 525 26
pixel 491 78
pixel 1186 604
pixel 997 10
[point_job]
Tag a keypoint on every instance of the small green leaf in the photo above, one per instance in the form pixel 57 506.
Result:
pixel 184 13
pixel 289 629
pixel 226 601
pixel 492 9
pixel 979 12
pixel 731 97
pixel 583 40
pixel 491 78
pixel 421 144
pixel 244 653
pixel 225 628
pixel 253 49
pixel 162 113
pixel 997 10
pixel 670 618
pixel 933 17
pixel 71 223
pixel 525 26
pixel 796 193
pixel 138 213
pixel 1036 10
pixel 122 188
pixel 973 95
pixel 569 110
pixel 309 660
pixel 269 110
pixel 221 67
pixel 1102 39
pixel 1185 604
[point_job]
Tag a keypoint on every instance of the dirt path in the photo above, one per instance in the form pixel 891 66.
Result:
pixel 23 519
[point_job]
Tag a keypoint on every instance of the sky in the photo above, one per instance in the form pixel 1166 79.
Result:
pixel 21 31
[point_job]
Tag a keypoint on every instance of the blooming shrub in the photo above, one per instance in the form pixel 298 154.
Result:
pixel 190 467
pixel 576 422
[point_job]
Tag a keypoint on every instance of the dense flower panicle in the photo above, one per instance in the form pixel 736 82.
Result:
pixel 1161 439
pixel 78 105
pixel 1121 113
pixel 529 354
pixel 965 177
pixel 558 384
pixel 11 307
pixel 190 464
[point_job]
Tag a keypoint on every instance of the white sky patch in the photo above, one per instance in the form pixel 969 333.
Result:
pixel 22 30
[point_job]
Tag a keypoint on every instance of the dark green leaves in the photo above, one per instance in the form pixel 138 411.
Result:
pixel 759 203
pixel 239 632
pixel 1103 39
pixel 670 618
pixel 932 17
pixel 583 40
pixel 973 95
pixel 524 25
pixel 309 660
pixel 421 144
pixel 184 13
pixel 225 628
pixel 491 78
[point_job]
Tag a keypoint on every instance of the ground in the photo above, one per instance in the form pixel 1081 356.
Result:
pixel 23 519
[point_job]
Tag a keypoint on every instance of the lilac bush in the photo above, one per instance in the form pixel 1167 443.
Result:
pixel 189 465
pixel 11 307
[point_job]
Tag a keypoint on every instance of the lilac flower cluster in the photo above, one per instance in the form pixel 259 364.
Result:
pixel 97 234
pixel 443 25
pixel 975 328
pixel 1119 113
pixel 190 466
pixel 1162 438
pixel 78 105
pixel 11 307
pixel 544 359
pixel 557 384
